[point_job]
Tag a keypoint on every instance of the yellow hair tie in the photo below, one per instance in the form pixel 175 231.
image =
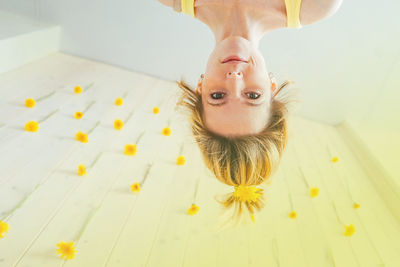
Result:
pixel 247 193
pixel 188 7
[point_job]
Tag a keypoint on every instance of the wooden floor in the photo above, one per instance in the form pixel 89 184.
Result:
pixel 44 201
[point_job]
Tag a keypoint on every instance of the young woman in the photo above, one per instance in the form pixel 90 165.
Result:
pixel 239 121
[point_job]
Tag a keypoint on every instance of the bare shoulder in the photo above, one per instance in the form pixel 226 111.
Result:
pixel 312 11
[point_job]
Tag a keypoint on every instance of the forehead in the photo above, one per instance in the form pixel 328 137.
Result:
pixel 235 119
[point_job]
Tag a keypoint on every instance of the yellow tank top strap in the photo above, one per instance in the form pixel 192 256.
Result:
pixel 293 13
pixel 188 7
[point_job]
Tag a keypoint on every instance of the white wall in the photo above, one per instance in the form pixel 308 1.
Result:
pixel 378 125
pixel 339 63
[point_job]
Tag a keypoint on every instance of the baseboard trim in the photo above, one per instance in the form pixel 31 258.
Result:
pixel 388 190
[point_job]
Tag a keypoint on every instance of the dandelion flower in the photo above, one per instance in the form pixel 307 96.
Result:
pixel 314 192
pixel 78 89
pixel 356 205
pixel 66 250
pixel 335 159
pixel 118 101
pixel 166 131
pixel 130 150
pixel 78 115
pixel 135 187
pixel 3 228
pixel 349 230
pixel 180 160
pixel 193 209
pixel 293 215
pixel 81 137
pixel 81 170
pixel 118 124
pixel 156 110
pixel 252 218
pixel 247 193
pixel 32 126
pixel 30 103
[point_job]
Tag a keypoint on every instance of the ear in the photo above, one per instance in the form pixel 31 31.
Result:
pixel 198 88
pixel 198 91
pixel 273 82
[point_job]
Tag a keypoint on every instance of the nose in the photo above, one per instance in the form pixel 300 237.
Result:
pixel 236 88
pixel 234 74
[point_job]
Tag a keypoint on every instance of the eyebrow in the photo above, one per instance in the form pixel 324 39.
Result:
pixel 247 103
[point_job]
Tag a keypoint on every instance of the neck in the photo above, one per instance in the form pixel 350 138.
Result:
pixel 234 21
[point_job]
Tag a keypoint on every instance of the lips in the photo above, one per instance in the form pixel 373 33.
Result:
pixel 234 59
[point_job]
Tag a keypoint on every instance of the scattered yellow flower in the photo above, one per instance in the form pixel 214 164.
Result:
pixel 356 205
pixel 180 160
pixel 78 115
pixel 32 126
pixel 119 101
pixel 349 230
pixel 314 191
pixel 193 209
pixel 130 150
pixel 118 124
pixel 135 187
pixel 66 250
pixel 81 170
pixel 293 215
pixel 81 137
pixel 166 131
pixel 156 110
pixel 335 159
pixel 78 89
pixel 30 103
pixel 247 193
pixel 3 228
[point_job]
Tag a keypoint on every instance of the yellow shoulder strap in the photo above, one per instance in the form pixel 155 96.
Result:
pixel 293 13
pixel 188 7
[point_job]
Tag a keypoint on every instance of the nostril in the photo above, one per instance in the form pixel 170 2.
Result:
pixel 230 73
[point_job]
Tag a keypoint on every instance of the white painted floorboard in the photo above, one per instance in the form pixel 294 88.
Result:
pixel 44 200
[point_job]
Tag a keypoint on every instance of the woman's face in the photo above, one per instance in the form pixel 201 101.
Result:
pixel 236 95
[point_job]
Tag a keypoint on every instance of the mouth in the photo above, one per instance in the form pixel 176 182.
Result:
pixel 234 59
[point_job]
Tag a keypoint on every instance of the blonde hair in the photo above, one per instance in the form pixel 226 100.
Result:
pixel 241 160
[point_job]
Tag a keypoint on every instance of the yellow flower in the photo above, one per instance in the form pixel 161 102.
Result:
pixel 32 126
pixel 156 110
pixel 30 103
pixel 180 160
pixel 252 218
pixel 81 137
pixel 81 170
pixel 3 228
pixel 193 209
pixel 66 250
pixel 335 159
pixel 78 89
pixel 78 115
pixel 135 187
pixel 293 215
pixel 356 205
pixel 166 131
pixel 118 101
pixel 118 124
pixel 247 193
pixel 314 191
pixel 130 150
pixel 349 230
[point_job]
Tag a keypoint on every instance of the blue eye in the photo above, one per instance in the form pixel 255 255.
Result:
pixel 253 95
pixel 217 95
